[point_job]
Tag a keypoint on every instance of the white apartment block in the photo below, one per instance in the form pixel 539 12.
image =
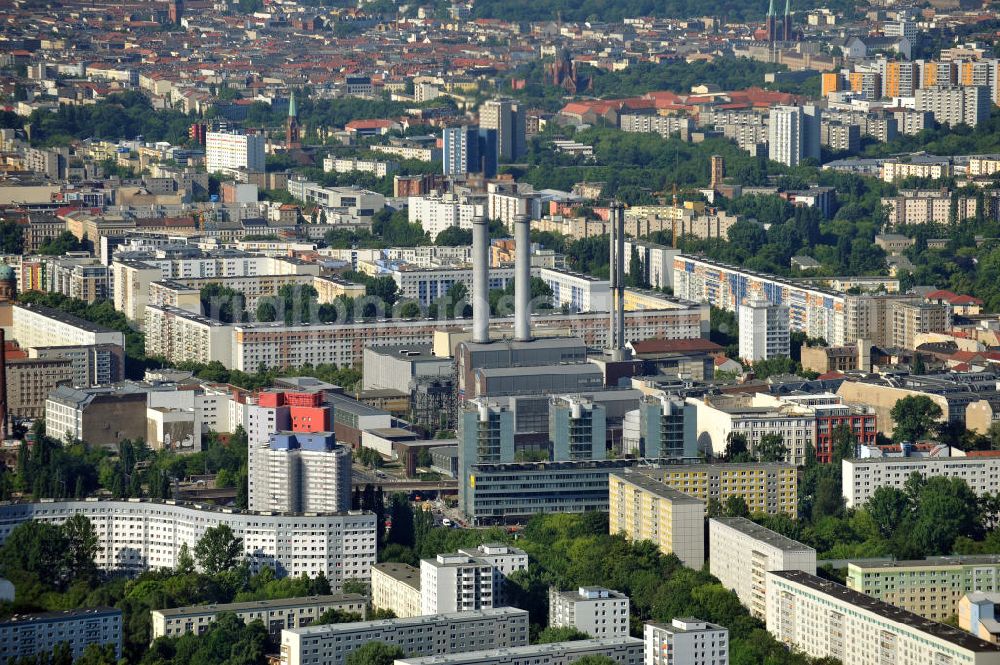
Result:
pixel 137 535
pixel 436 213
pixel 278 345
pixel 417 152
pixel 620 650
pixel 577 291
pixel 505 560
pixel 815 311
pixel 954 104
pixel 741 553
pixel 132 280
pixel 426 285
pixel 276 615
pixel 353 164
pixel 826 620
pixel 686 641
pixel 596 611
pixel 396 587
pixel 664 125
pixel 793 133
pixel 861 477
pixel 755 417
pixel 933 168
pixel 358 204
pixel 227 152
pixel 301 473
pixel 35 326
pixel 657 262
pixel 179 335
pixel 28 635
pixel 764 329
pixel 455 583
pixel 506 201
pixel 436 635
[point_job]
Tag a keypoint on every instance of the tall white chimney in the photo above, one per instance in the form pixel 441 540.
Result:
pixel 480 280
pixel 620 269
pixel 522 278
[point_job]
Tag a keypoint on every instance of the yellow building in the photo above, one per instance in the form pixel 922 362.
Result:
pixel 767 488
pixel 830 83
pixel 642 508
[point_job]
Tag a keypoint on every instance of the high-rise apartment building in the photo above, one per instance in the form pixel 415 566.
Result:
pixel 793 134
pixel 30 635
pixel 226 152
pixel 642 508
pixel 764 329
pixel 686 641
pixel 507 117
pixel 470 149
pixel 596 611
pixel 455 583
pixel 668 428
pixel 955 105
pixel 767 488
pixel 741 553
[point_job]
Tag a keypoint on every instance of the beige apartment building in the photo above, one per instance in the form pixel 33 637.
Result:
pixel 30 380
pixel 767 488
pixel 396 587
pixel 923 206
pixel 642 508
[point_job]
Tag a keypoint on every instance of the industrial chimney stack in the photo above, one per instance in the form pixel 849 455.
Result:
pixel 4 415
pixel 616 339
pixel 522 278
pixel 480 281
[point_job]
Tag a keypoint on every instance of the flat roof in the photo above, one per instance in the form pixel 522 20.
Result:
pixel 401 572
pixel 931 562
pixel 62 615
pixel 424 620
pixel 955 636
pixel 658 488
pixel 762 533
pixel 63 317
pixel 263 604
pixel 510 653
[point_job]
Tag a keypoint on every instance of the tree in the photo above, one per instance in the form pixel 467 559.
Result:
pixel 35 552
pixel 218 549
pixel 914 416
pixel 374 653
pixel 888 507
pixel 335 615
pixel 185 562
pixel 771 448
pixel 560 634
pixel 737 448
pixel 595 660
pixel 81 547
pixel 843 443
pixel 64 242
pixel 401 514
pixel 736 506
pixel 829 499
pixel 454 236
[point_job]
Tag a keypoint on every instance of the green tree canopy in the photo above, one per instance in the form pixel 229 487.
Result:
pixel 218 549
pixel 915 417
pixel 374 653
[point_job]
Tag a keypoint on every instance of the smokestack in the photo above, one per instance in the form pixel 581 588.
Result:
pixel 620 267
pixel 522 278
pixel 480 280
pixel 616 338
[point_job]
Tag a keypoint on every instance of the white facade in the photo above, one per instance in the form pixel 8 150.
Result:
pixel 764 330
pixel 301 480
pixel 227 152
pixel 352 164
pixel 741 553
pixel 754 418
pixel 505 560
pixel 426 285
pixel 955 104
pixel 596 611
pixel 396 587
pixel 826 620
pixel 686 641
pixel 41 326
pixel 578 292
pixel 177 334
pixel 455 583
pixel 861 477
pixel 330 644
pixel 436 213
pixel 137 535
pixel 793 134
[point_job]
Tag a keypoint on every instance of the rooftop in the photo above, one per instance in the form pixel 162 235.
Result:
pixel 547 652
pixel 400 572
pixel 61 615
pixel 63 317
pixel 763 534
pixel 424 620
pixel 658 488
pixel 885 611
pixel 262 604
pixel 931 562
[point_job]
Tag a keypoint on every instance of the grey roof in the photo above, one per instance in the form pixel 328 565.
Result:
pixel 424 620
pixel 547 652
pixel 932 562
pixel 63 317
pixel 400 572
pixel 763 534
pixel 888 612
pixel 302 601
pixel 62 615
pixel 657 487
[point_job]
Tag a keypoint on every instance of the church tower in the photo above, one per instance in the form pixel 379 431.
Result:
pixel 292 139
